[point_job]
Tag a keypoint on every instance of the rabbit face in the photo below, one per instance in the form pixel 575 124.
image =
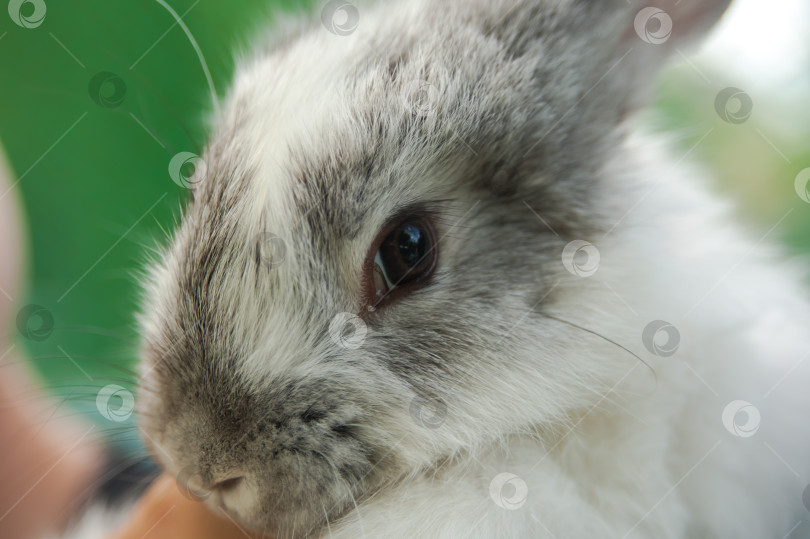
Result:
pixel 278 374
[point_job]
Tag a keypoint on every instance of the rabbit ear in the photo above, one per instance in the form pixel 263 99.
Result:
pixel 674 23
pixel 586 38
pixel 653 31
pixel 667 23
pixel 637 37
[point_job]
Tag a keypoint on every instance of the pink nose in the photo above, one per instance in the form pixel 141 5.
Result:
pixel 228 484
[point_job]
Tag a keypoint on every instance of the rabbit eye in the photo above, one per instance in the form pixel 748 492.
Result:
pixel 406 255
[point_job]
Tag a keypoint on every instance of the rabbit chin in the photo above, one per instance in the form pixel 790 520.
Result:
pixel 246 507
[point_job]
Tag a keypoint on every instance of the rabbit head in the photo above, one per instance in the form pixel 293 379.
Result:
pixel 359 286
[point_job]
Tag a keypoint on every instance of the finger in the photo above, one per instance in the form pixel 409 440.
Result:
pixel 164 513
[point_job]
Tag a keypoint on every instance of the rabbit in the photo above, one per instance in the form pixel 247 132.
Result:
pixel 435 278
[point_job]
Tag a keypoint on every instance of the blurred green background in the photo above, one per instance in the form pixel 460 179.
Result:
pixel 93 179
pixel 95 184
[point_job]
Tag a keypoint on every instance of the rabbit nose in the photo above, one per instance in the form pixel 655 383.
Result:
pixel 229 483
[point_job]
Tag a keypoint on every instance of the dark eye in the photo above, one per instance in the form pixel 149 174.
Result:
pixel 406 255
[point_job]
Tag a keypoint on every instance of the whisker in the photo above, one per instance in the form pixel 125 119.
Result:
pixel 326 517
pixel 604 338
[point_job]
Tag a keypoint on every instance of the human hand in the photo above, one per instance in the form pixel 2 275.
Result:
pixel 47 461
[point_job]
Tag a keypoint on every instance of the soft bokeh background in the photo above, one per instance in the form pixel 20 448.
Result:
pixel 97 190
pixel 94 180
